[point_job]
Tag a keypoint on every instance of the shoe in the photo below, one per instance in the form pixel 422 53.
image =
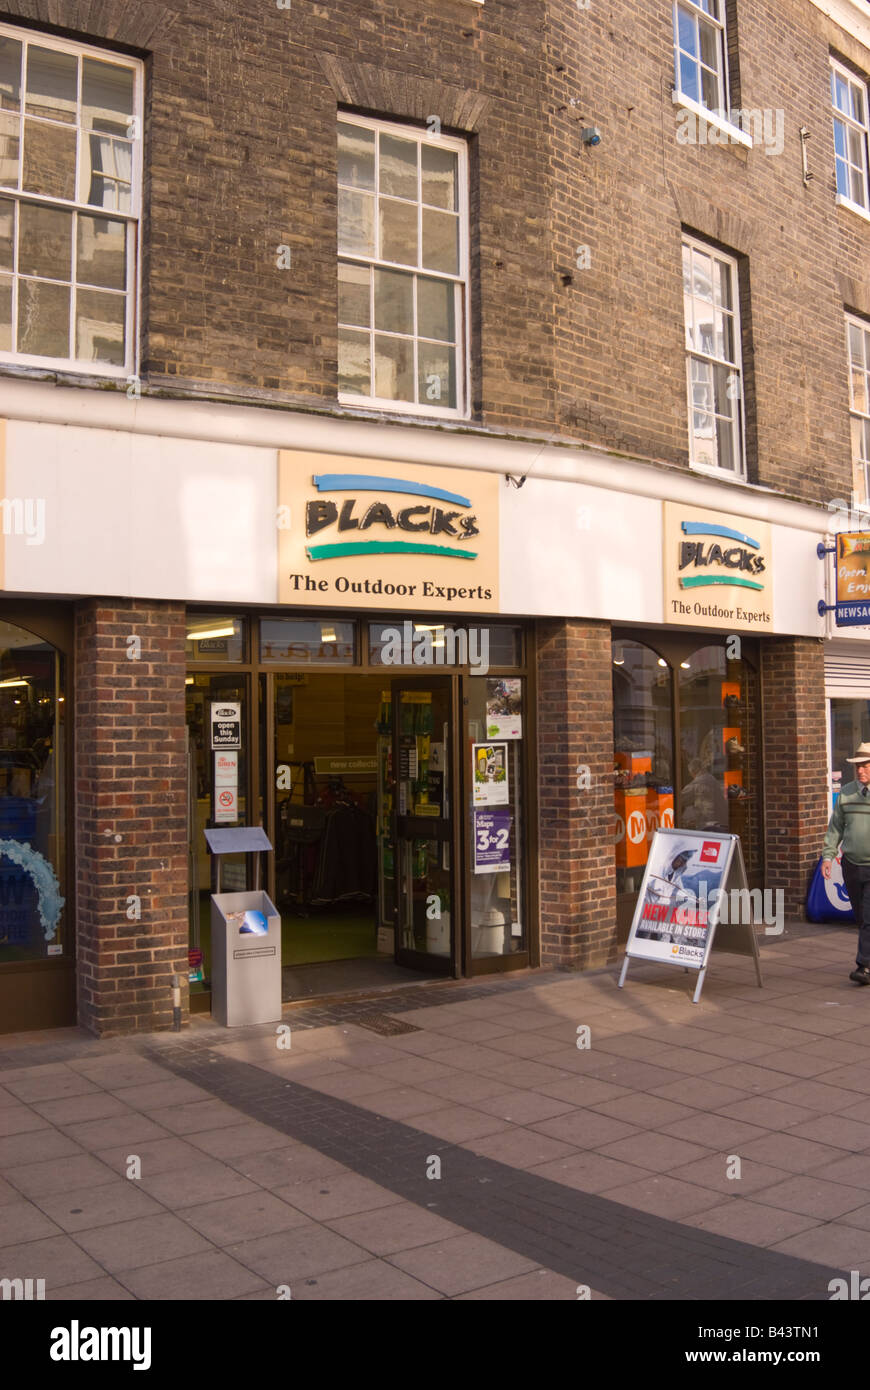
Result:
pixel 861 975
pixel 734 746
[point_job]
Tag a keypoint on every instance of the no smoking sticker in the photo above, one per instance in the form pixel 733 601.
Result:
pixel 226 805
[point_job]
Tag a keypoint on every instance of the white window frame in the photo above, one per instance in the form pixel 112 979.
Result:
pixel 462 312
pixel 737 475
pixel 700 16
pixel 133 218
pixel 859 465
pixel 850 123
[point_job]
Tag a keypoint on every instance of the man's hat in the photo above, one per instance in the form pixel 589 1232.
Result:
pixel 863 754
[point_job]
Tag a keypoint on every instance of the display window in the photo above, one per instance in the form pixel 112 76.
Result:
pixel 33 920
pixel 37 883
pixel 687 749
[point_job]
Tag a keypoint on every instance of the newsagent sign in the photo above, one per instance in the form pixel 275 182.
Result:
pixel 365 533
pixel 852 592
pixel 718 570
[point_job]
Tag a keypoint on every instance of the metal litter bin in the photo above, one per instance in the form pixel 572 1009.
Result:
pixel 245 959
pixel 245 940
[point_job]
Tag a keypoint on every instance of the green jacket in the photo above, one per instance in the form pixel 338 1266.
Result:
pixel 851 824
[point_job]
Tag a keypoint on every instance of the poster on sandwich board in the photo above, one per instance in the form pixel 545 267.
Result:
pixel 685 902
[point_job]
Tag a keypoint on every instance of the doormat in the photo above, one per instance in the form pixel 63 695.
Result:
pixel 385 1025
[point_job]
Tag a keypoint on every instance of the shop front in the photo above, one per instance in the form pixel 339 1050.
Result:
pixel 687 704
pixel 456 699
pixel 387 759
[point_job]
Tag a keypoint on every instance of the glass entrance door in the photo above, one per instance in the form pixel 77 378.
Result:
pixel 422 833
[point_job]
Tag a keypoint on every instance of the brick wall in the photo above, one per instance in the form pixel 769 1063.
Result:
pixel 240 159
pixel 621 363
pixel 130 814
pixel 575 731
pixel 795 764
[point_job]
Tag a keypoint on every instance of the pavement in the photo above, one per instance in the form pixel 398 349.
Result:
pixel 452 1140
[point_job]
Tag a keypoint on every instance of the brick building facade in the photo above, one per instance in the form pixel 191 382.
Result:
pixel 524 203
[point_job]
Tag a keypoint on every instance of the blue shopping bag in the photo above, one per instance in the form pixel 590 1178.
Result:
pixel 827 899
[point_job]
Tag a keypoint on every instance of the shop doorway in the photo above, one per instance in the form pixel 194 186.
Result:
pixel 398 800
pixel 419 831
pixel 358 781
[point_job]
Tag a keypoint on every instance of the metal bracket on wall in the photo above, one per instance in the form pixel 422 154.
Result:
pixel 804 136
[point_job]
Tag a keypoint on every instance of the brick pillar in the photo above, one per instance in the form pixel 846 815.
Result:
pixel 130 814
pixel 575 731
pixel 795 764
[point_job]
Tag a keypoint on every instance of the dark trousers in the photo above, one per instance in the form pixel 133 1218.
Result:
pixel 857 880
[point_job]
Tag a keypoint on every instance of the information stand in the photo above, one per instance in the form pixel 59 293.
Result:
pixel 690 876
pixel 245 939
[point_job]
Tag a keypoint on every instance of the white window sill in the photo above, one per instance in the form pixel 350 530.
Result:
pixel 51 366
pixel 853 207
pixel 406 408
pixel 734 133
pixel 722 474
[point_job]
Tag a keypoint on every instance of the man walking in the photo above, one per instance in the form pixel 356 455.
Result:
pixel 850 824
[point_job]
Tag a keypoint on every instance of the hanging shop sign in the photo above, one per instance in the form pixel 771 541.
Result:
pixel 492 841
pixel 371 534
pixel 852 582
pixel 226 724
pixel 718 570
pixel 694 881
pixel 489 762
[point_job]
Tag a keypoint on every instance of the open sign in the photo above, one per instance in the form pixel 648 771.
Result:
pixel 226 725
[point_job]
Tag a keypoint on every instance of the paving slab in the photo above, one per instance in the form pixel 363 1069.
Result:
pixel 210 1275
pixel 76 1109
pixel 209 1180
pixel 146 1241
pixel 84 1208
pixel 407 1227
pixel 814 1196
pixel 540 1286
pixel 664 1196
pixel 60 1175
pixel 302 1253
pixel 59 1260
pixel 375 1281
pixel 459 1123
pixel 104 1290
pixel 713 1171
pixel 47 1083
pixel 129 1129
pixel 20 1221
pixel 230 1219
pixel 34 1146
pixel 462 1263
pixel 343 1194
pixel 155 1156
pixel 20 1119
